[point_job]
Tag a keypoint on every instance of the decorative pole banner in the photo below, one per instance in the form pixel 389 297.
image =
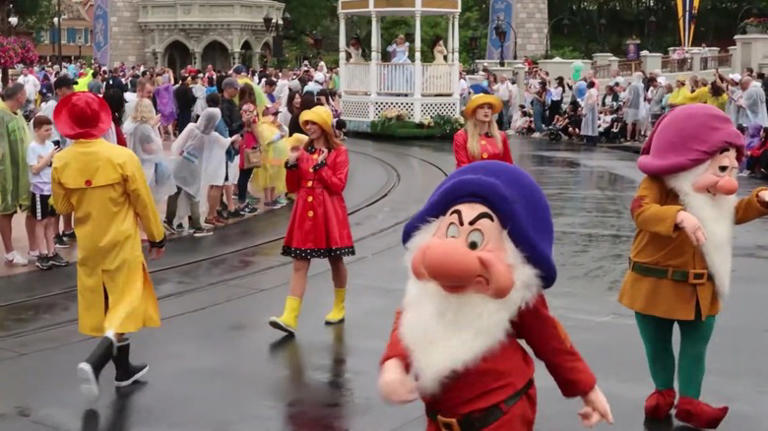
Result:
pixel 686 19
pixel 101 32
pixel 503 9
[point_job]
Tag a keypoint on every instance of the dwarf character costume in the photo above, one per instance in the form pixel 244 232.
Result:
pixel 319 225
pixel 104 186
pixel 680 262
pixel 480 253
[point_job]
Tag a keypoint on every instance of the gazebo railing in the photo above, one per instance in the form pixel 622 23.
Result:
pixel 357 78
pixel 436 79
pixel 400 79
pixel 395 78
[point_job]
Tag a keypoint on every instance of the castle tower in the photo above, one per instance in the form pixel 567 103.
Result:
pixel 126 38
pixel 531 21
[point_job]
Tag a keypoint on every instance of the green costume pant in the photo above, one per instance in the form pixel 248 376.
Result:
pixel 656 333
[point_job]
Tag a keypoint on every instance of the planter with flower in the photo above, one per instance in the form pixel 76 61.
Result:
pixel 15 51
pixel 394 123
pixel 755 26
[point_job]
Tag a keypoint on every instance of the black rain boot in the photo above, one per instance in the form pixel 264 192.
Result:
pixel 89 370
pixel 126 372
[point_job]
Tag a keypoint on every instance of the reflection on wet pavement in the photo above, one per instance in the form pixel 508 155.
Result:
pixel 315 400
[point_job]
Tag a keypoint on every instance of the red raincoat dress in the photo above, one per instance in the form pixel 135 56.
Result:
pixel 488 149
pixel 319 227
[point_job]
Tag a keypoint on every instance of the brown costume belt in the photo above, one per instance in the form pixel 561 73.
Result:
pixel 479 420
pixel 692 276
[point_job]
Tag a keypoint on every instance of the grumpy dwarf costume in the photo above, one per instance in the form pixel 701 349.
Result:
pixel 480 253
pixel 104 186
pixel 680 262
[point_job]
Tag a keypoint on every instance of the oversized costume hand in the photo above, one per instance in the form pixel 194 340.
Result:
pixel 395 385
pixel 596 409
pixel 762 197
pixel 692 227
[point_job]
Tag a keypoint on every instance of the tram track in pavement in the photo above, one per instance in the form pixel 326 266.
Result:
pixel 394 181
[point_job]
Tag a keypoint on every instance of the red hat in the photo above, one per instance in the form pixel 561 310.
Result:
pixel 82 115
pixel 686 137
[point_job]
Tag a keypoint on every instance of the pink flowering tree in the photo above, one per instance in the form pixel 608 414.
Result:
pixel 15 51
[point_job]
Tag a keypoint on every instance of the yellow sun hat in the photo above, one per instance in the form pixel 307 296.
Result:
pixel 482 99
pixel 319 115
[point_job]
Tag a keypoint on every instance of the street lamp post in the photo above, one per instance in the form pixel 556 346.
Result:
pixel 473 39
pixel 13 20
pixel 548 37
pixel 651 31
pixel 57 23
pixel 500 29
pixel 601 31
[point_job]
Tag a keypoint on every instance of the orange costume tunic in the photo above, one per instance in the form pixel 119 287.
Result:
pixel 659 243
pixel 489 150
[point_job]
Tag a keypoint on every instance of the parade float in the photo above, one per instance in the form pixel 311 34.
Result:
pixel 400 99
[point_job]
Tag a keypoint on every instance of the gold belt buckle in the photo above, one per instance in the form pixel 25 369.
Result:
pixel 698 276
pixel 448 424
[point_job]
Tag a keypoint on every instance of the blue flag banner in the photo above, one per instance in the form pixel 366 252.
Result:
pixel 503 9
pixel 101 32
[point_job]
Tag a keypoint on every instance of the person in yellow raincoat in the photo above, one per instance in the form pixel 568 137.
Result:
pixel 271 175
pixel 104 186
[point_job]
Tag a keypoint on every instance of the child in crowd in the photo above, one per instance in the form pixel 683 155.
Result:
pixel 40 154
pixel 757 157
pixel 248 162
pixel 605 122
pixel 524 121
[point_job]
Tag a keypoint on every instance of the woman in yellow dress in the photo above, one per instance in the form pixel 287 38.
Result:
pixel 104 186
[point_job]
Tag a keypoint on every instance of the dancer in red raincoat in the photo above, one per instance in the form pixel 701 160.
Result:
pixel 481 139
pixel 319 227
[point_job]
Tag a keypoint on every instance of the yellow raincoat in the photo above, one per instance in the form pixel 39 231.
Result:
pixel 104 185
pixel 275 152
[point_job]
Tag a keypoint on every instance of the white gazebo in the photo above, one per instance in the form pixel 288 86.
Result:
pixel 418 89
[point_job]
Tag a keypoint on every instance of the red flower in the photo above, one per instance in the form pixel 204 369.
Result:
pixel 15 51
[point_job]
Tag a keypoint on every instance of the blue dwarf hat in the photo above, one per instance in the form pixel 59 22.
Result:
pixel 515 198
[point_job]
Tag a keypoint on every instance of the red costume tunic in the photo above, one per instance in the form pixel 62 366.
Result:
pixel 506 369
pixel 319 227
pixel 489 150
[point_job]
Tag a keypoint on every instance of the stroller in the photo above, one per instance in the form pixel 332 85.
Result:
pixel 553 133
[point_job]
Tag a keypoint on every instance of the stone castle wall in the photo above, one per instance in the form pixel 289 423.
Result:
pixel 531 20
pixel 126 39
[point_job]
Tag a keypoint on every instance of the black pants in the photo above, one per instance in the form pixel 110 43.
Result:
pixel 242 184
pixel 555 109
pixel 184 118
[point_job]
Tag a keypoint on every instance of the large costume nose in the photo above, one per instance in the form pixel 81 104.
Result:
pixel 727 186
pixel 449 263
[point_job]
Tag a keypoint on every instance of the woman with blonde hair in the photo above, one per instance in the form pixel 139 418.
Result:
pixel 317 170
pixel 480 139
pixel 143 139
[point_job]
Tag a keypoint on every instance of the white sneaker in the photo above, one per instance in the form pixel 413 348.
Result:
pixel 14 258
pixel 33 255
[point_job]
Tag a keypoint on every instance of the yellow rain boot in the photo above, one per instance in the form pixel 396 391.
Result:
pixel 290 318
pixel 337 313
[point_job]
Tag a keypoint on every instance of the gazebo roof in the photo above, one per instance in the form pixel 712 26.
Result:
pixel 399 7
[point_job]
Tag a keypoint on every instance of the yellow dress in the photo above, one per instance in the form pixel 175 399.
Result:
pixel 104 185
pixel 275 152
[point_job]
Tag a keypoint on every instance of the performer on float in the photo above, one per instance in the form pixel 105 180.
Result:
pixel 319 227
pixel 104 186
pixel 680 262
pixel 480 139
pixel 480 257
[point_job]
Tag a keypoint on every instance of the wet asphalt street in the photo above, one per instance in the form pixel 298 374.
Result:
pixel 216 365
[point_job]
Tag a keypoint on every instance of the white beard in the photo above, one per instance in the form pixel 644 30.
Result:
pixel 446 332
pixel 717 215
